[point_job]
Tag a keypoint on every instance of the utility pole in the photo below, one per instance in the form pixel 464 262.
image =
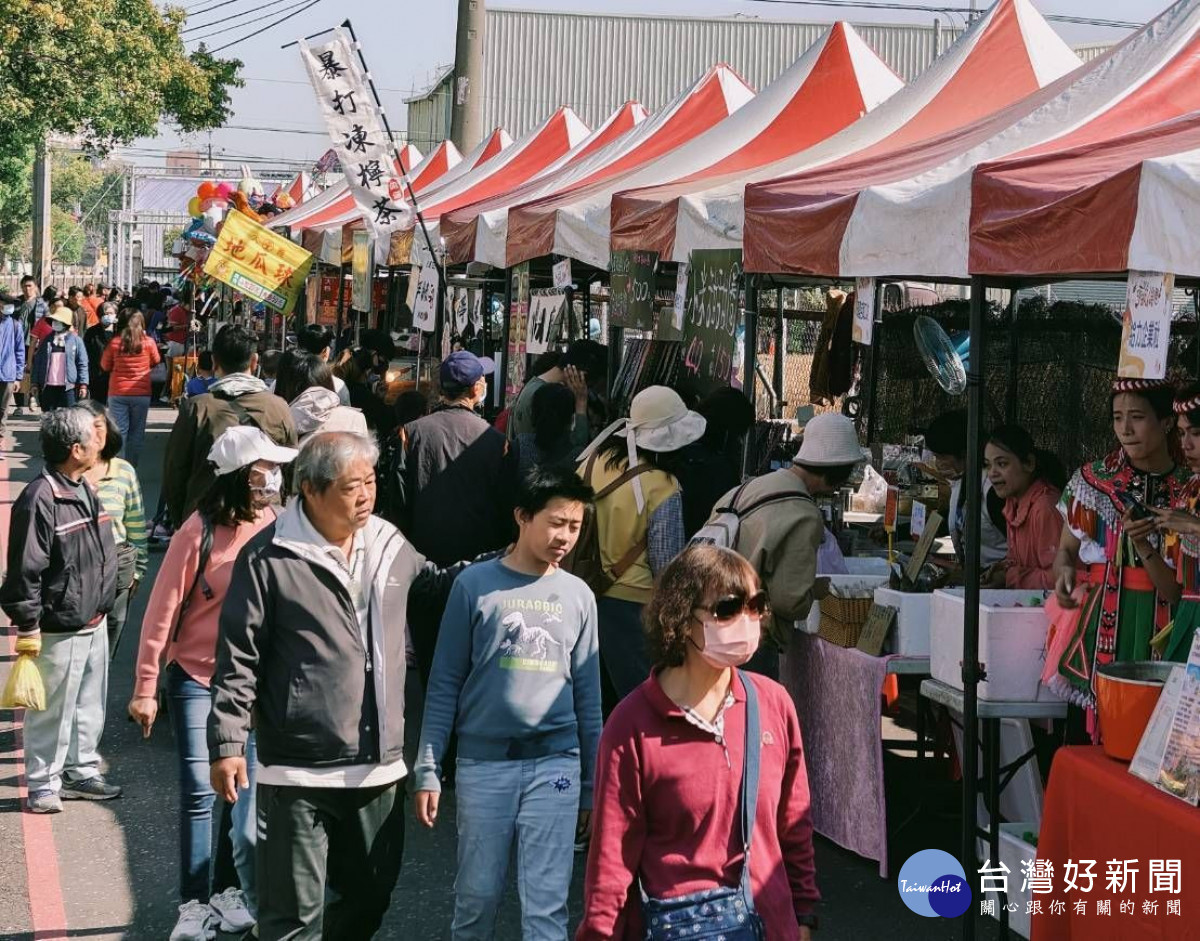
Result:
pixel 42 252
pixel 466 114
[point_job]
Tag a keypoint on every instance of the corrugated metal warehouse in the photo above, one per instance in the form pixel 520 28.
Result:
pixel 535 61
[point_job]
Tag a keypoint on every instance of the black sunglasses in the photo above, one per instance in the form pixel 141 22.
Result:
pixel 729 607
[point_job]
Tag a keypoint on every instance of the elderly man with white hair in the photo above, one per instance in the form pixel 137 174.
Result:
pixel 312 641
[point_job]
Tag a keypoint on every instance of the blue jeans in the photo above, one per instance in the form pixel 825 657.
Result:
pixel 190 703
pixel 536 801
pixel 129 415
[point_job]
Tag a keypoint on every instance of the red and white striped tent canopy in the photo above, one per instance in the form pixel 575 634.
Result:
pixel 459 227
pixel 1104 199
pixel 530 156
pixel 837 81
pixel 531 229
pixel 909 213
pixel 1007 53
pixel 440 161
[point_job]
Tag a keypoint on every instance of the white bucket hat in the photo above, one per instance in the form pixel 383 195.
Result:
pixel 658 421
pixel 242 445
pixel 829 440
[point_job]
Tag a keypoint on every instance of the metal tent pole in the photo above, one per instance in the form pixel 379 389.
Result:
pixel 970 663
pixel 780 341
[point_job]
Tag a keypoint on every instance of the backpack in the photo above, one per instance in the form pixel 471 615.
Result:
pixel 723 526
pixel 584 561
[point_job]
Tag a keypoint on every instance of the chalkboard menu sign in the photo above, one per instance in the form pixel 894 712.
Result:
pixel 712 317
pixel 632 277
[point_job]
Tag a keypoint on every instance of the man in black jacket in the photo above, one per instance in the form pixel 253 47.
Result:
pixel 313 642
pixel 60 584
pixel 453 481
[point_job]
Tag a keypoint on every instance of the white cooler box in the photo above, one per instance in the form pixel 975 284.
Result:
pixel 1012 643
pixel 1013 852
pixel 813 624
pixel 910 635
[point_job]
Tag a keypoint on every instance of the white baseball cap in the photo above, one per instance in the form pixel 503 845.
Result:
pixel 242 445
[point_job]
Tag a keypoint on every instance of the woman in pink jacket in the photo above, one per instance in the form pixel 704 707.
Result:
pixel 180 629
pixel 1030 482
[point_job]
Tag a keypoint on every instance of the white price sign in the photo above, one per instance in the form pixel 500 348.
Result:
pixel 918 518
pixel 562 273
pixel 681 285
pixel 864 310
pixel 1146 325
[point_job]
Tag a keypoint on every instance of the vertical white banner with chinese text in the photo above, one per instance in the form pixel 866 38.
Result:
pixel 357 131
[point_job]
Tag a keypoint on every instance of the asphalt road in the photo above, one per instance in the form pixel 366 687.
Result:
pixel 114 865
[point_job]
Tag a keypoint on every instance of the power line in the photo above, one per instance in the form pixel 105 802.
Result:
pixel 920 8
pixel 215 6
pixel 231 16
pixel 258 32
pixel 230 29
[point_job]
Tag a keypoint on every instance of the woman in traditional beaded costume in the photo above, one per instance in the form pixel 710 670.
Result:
pixel 1114 547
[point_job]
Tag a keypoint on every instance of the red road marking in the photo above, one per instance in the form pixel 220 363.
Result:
pixel 46 908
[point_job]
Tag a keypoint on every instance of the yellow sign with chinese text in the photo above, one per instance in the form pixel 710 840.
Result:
pixel 252 259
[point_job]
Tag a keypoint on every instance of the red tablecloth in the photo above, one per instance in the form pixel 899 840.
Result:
pixel 1095 809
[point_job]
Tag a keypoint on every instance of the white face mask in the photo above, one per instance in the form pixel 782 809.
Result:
pixel 731 643
pixel 272 483
pixel 108 320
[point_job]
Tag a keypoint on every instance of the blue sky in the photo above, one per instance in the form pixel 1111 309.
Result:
pixel 406 41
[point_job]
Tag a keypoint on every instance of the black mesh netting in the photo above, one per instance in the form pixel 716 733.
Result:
pixel 1050 372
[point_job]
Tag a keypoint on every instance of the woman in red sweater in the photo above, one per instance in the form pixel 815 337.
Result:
pixel 1030 481
pixel 669 771
pixel 128 359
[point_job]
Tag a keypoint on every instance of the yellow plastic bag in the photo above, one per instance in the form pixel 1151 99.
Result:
pixel 25 689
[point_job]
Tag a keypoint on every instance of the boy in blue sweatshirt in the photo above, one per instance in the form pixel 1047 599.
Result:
pixel 516 675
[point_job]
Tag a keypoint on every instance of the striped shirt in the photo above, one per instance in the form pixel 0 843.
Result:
pixel 121 495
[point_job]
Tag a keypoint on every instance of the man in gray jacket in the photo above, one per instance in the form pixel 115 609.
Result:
pixel 313 642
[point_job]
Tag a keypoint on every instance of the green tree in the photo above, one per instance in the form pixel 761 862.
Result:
pixel 102 71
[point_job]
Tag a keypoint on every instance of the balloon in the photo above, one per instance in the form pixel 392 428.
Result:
pixel 212 218
pixel 243 206
pixel 284 200
pixel 194 208
pixel 224 190
pixel 207 204
pixel 206 190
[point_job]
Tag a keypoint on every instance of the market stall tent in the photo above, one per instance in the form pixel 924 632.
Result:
pixel 460 227
pixel 335 206
pixel 1125 203
pixel 907 211
pixel 530 230
pixel 835 82
pixel 1007 53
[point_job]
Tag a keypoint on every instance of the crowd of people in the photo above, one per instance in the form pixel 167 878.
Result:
pixel 575 621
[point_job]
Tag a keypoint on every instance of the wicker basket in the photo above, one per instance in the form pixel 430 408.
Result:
pixel 842 619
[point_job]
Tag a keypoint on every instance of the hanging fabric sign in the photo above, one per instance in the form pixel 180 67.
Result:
pixel 1146 325
pixel 357 131
pixel 519 315
pixel 632 277
pixel 477 312
pixel 562 273
pixel 681 283
pixel 256 261
pixel 864 310
pixel 545 320
pixel 424 306
pixel 462 302
pixel 714 314
pixel 361 265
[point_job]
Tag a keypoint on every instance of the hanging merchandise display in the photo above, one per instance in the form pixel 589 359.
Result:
pixel 515 371
pixel 546 313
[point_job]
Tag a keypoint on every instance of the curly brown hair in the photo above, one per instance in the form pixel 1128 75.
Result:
pixel 699 575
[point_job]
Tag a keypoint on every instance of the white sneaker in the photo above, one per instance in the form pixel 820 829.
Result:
pixel 195 923
pixel 231 909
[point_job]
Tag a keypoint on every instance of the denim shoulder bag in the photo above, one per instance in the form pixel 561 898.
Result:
pixel 723 912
